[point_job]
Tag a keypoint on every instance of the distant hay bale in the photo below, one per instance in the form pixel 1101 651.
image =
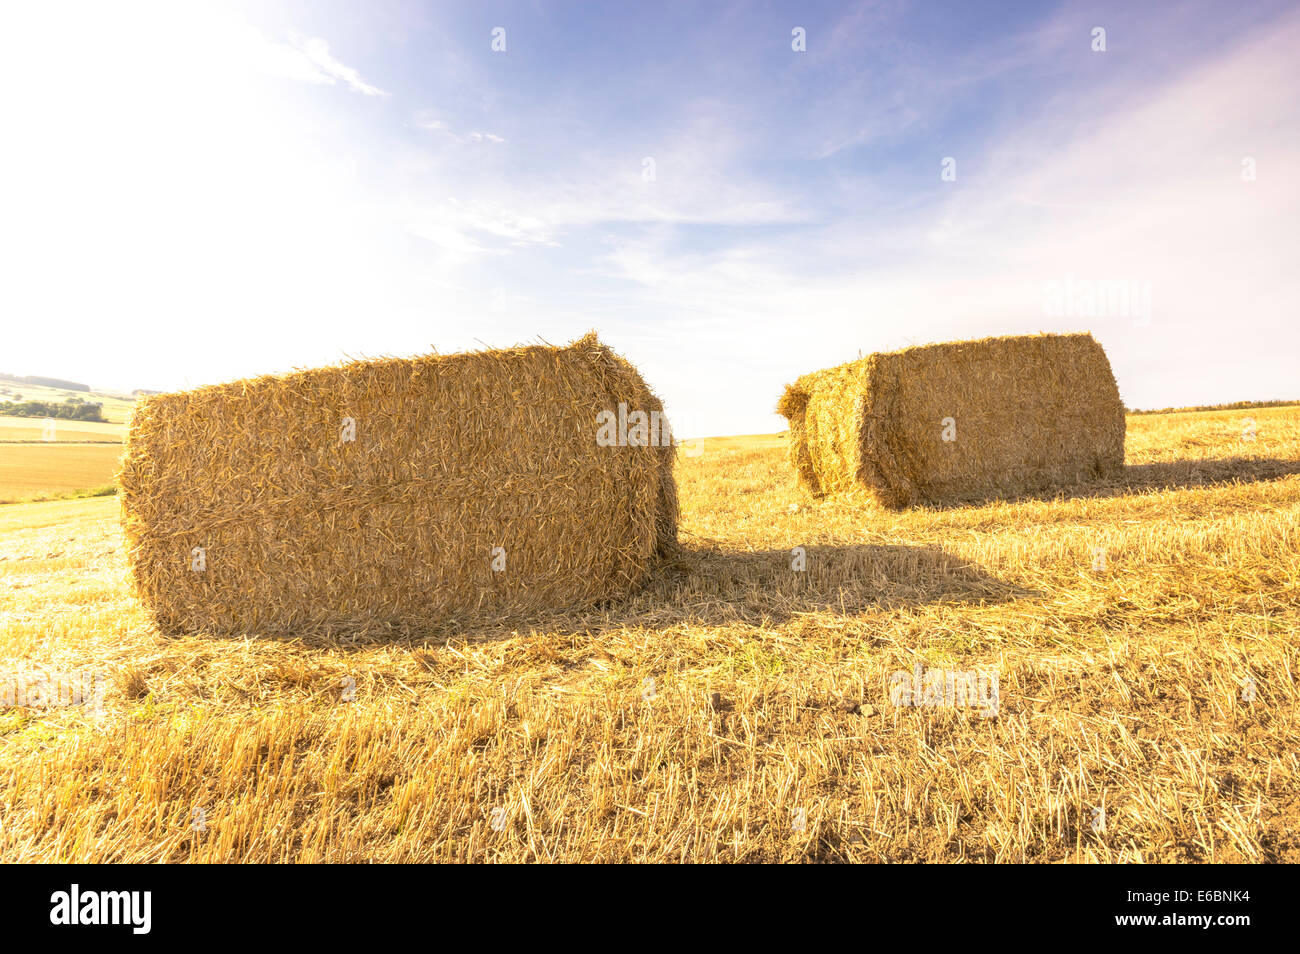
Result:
pixel 964 421
pixel 398 492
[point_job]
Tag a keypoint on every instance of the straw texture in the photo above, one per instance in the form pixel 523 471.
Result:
pixel 1022 414
pixel 450 457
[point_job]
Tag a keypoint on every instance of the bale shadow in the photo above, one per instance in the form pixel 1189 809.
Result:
pixel 1146 478
pixel 764 587
pixel 716 587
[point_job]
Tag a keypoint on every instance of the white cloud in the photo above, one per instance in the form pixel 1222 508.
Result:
pixel 426 121
pixel 555 201
pixel 318 52
pixel 308 59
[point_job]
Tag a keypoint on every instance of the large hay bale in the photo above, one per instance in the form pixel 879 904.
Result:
pixel 247 508
pixel 963 421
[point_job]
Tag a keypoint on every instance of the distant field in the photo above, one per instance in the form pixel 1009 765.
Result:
pixel 29 429
pixel 746 442
pixel 116 407
pixel 82 456
pixel 34 470
pixel 1235 406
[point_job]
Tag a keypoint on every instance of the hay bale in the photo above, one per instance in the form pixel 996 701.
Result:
pixel 958 422
pixel 378 492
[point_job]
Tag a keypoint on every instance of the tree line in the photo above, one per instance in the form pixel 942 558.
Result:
pixel 73 409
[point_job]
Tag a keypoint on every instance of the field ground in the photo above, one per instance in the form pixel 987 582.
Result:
pixel 41 469
pixel 82 455
pixel 27 430
pixel 1143 631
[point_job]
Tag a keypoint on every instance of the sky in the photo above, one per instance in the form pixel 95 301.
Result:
pixel 192 193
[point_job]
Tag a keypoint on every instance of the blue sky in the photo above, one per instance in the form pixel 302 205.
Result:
pixel 194 193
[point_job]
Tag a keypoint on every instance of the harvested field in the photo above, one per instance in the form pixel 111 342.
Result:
pixel 38 470
pixel 1145 637
pixel 26 430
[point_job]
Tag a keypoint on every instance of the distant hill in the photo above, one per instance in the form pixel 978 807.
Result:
pixel 46 382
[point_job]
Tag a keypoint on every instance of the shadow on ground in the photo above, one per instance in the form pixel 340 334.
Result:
pixel 715 587
pixel 1150 478
pixel 718 586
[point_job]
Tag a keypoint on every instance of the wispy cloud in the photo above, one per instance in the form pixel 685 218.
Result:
pixel 307 59
pixel 428 122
